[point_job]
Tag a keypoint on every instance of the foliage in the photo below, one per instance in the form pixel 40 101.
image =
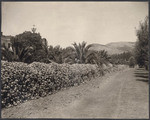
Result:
pixel 98 57
pixel 131 61
pixel 55 54
pixel 21 81
pixel 68 55
pixel 81 52
pixel 104 58
pixel 122 58
pixel 61 55
pixel 6 53
pixel 26 47
pixel 141 48
pixel 16 53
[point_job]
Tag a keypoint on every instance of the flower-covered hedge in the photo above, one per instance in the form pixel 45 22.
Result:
pixel 21 81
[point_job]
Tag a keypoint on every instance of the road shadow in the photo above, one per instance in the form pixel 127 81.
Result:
pixel 141 75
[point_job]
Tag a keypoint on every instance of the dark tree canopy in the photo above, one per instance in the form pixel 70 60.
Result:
pixel 28 38
pixel 141 48
pixel 121 58
pixel 27 47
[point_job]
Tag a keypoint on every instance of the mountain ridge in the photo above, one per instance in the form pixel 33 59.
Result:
pixel 114 47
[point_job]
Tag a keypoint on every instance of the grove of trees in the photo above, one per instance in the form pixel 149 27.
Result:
pixel 30 47
pixel 26 47
pixel 122 58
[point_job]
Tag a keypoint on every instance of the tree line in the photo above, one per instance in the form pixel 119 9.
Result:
pixel 30 47
pixel 122 58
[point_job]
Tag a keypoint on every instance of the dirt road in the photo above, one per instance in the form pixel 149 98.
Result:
pixel 123 94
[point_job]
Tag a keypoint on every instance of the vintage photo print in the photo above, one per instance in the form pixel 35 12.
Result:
pixel 75 59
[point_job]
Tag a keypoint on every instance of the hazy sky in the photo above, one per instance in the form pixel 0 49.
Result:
pixel 63 23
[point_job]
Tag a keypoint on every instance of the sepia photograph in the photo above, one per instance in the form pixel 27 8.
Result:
pixel 75 59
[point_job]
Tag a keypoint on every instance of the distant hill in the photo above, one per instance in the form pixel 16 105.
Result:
pixel 114 47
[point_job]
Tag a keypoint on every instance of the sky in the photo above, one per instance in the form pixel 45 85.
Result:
pixel 63 23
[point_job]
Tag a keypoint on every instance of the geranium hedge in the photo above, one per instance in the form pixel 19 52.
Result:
pixel 21 81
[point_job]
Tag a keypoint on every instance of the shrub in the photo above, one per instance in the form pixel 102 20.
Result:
pixel 21 81
pixel 131 62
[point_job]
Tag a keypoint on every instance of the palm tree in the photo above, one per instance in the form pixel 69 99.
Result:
pixel 104 57
pixel 55 54
pixel 81 52
pixel 85 55
pixel 68 55
pixel 17 52
pixel 6 54
pixel 98 57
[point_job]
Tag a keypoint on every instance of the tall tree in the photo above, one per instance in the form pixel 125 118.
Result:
pixel 17 53
pixel 24 43
pixel 141 48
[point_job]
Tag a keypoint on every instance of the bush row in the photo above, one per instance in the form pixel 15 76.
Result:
pixel 21 81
